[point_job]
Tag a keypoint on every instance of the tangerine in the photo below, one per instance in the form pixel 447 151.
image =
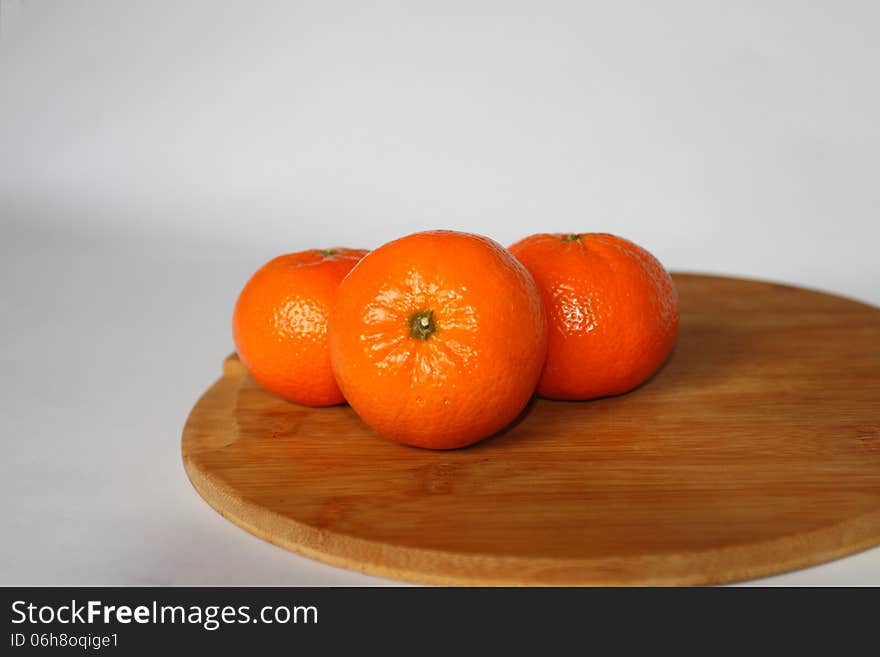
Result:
pixel 437 339
pixel 612 312
pixel 279 324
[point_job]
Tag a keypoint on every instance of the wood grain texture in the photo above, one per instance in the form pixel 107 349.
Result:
pixel 754 450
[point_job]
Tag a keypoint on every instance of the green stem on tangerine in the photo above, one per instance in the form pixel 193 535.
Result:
pixel 571 237
pixel 327 252
pixel 421 324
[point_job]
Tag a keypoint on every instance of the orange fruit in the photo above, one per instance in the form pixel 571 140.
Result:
pixel 612 312
pixel 437 339
pixel 280 324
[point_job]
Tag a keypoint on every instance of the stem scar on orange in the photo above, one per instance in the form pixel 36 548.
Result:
pixel 437 339
pixel 279 324
pixel 612 312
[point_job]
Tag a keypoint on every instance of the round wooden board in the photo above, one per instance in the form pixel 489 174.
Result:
pixel 754 450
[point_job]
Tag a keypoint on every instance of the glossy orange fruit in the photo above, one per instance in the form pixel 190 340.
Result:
pixel 280 324
pixel 437 339
pixel 612 312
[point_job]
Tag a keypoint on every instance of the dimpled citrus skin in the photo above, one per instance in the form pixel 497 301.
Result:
pixel 483 347
pixel 612 312
pixel 279 324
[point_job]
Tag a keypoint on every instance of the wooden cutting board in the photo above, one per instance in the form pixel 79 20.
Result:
pixel 755 450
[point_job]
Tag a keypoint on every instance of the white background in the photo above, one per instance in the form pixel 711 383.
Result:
pixel 153 154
